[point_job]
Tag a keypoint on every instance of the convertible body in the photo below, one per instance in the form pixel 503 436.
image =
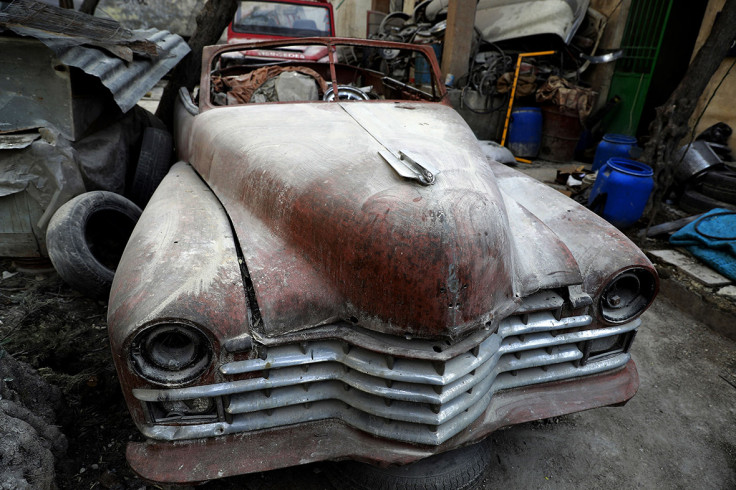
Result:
pixel 353 279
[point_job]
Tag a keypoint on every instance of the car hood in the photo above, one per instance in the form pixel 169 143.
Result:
pixel 329 231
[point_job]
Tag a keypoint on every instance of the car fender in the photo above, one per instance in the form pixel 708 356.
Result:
pixel 180 264
pixel 584 233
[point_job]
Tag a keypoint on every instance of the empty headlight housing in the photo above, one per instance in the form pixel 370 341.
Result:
pixel 170 353
pixel 627 295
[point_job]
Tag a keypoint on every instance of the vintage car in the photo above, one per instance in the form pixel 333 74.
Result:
pixel 258 20
pixel 334 271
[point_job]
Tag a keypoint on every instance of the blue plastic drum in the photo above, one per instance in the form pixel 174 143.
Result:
pixel 422 68
pixel 613 145
pixel 621 191
pixel 525 131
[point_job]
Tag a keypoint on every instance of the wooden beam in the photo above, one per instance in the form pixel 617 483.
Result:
pixel 458 37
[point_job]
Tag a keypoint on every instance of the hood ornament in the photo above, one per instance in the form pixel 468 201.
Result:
pixel 409 167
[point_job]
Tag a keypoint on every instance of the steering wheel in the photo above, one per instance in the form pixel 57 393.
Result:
pixel 345 92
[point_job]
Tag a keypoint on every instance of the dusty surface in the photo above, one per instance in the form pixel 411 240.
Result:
pixel 679 431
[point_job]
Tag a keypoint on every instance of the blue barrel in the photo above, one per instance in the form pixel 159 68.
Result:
pixel 621 191
pixel 525 131
pixel 422 68
pixel 613 145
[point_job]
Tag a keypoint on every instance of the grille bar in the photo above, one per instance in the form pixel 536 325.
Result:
pixel 382 427
pixel 324 371
pixel 362 360
pixel 400 369
pixel 416 400
pixel 410 412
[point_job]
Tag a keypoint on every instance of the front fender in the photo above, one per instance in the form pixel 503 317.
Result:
pixel 600 250
pixel 181 263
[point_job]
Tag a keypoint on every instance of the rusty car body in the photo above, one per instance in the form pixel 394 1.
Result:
pixel 352 279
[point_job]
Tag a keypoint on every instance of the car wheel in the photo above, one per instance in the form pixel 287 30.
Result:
pixel 154 162
pixel 719 184
pixel 393 23
pixel 454 470
pixel 86 238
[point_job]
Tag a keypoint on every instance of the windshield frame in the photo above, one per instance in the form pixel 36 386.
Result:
pixel 439 91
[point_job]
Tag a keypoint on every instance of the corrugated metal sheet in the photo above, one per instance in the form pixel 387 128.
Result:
pixel 128 82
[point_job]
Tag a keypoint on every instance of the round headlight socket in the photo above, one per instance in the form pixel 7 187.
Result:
pixel 171 353
pixel 627 295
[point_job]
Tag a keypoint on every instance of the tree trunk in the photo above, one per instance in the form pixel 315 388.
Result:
pixel 89 6
pixel 671 124
pixel 211 21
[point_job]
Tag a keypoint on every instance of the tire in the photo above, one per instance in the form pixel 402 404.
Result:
pixel 395 20
pixel 720 185
pixel 86 238
pixel 695 202
pixel 154 162
pixel 454 470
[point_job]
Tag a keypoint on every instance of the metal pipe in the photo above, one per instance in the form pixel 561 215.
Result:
pixel 513 91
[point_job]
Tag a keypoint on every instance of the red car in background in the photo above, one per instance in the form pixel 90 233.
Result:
pixel 278 19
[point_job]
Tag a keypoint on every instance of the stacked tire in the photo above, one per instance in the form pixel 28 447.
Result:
pixel 715 188
pixel 87 235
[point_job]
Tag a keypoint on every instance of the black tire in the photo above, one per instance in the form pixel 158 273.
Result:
pixel 695 202
pixel 393 20
pixel 154 162
pixel 454 470
pixel 720 185
pixel 86 238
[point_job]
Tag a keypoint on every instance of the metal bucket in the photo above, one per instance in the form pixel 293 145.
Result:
pixel 699 158
pixel 560 134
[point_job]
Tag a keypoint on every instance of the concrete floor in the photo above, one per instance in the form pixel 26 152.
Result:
pixel 679 431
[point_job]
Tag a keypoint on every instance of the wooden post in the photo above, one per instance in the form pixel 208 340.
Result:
pixel 458 37
pixel 211 21
pixel 381 5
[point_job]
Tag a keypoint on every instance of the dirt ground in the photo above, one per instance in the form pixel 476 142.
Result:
pixel 679 431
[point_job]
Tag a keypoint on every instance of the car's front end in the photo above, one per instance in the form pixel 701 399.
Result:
pixel 354 280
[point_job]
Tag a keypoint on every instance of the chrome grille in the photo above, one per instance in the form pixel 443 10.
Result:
pixel 413 400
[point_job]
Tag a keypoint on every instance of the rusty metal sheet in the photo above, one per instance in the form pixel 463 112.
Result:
pixel 38 89
pixel 128 82
pixel 200 460
pixel 18 141
pixel 68 27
